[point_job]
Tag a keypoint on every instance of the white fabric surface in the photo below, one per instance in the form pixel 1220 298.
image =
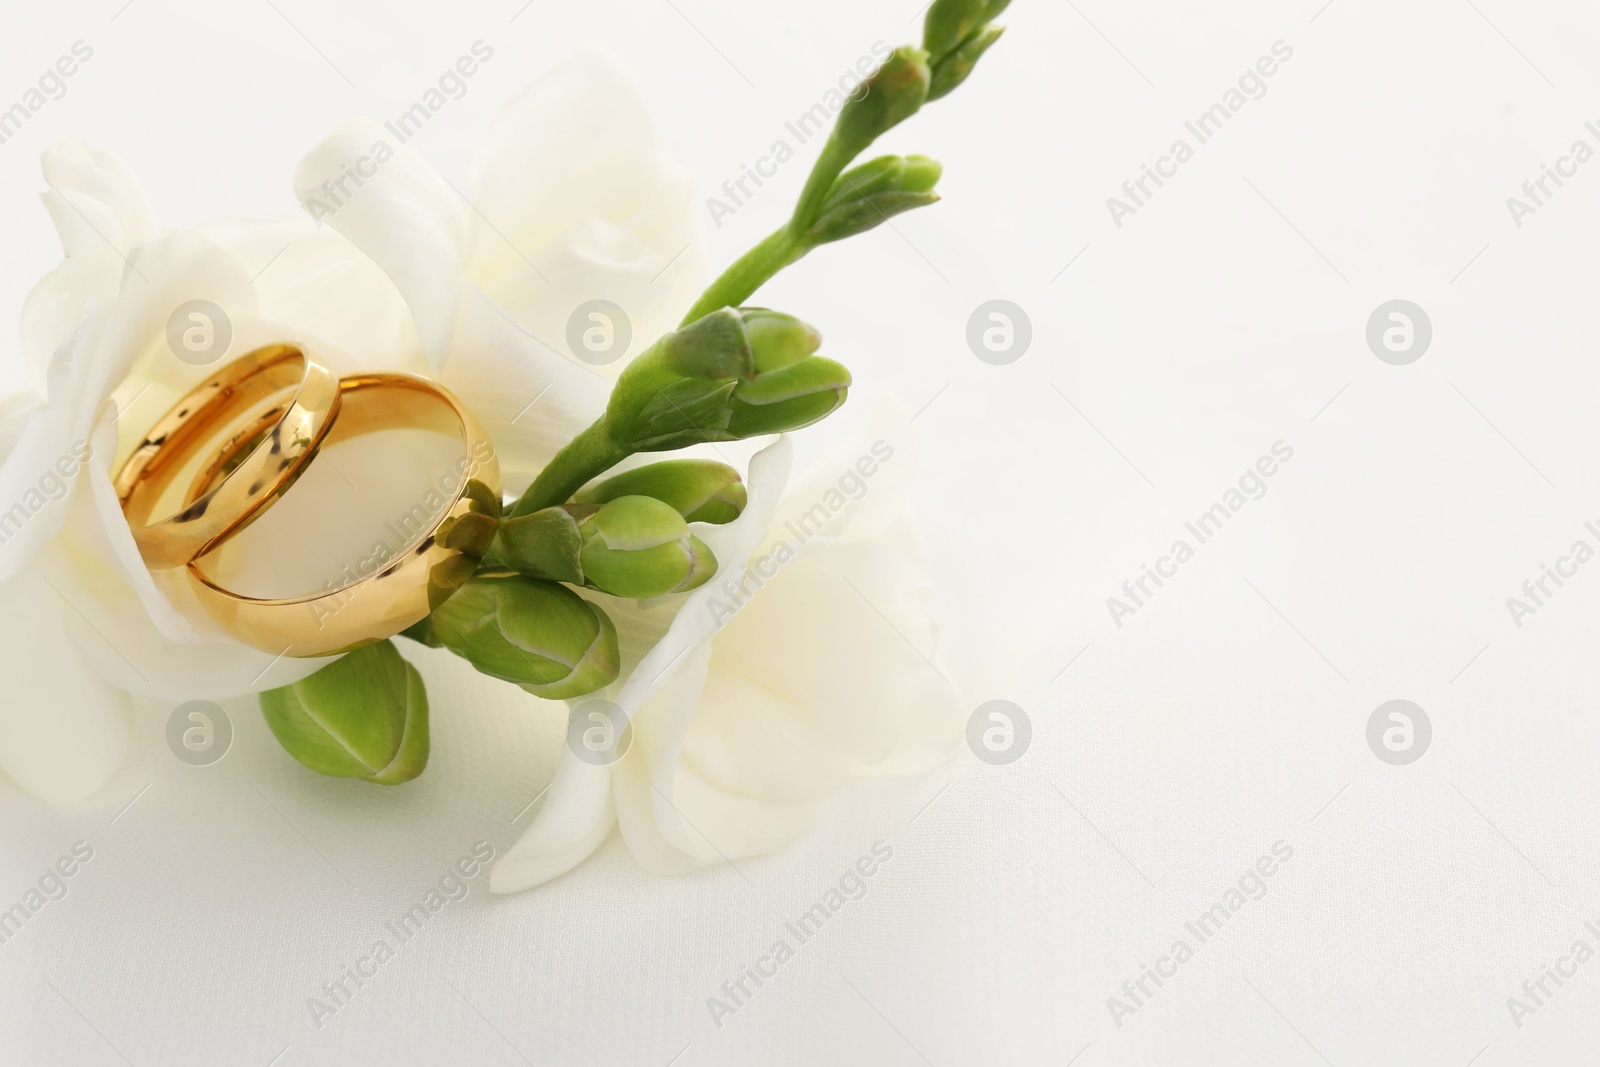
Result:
pixel 1168 755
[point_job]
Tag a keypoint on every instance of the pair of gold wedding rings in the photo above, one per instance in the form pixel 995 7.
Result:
pixel 254 427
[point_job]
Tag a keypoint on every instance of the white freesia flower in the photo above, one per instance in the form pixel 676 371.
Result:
pixel 809 661
pixel 394 279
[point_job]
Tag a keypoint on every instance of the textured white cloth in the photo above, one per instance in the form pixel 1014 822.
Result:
pixel 1228 713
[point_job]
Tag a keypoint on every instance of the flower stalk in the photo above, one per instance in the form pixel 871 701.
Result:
pixel 956 34
pixel 728 373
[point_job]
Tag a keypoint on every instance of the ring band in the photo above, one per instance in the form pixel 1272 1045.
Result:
pixel 390 590
pixel 259 479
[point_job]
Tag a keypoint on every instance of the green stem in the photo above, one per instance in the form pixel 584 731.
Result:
pixel 753 269
pixel 748 273
pixel 585 457
pixel 824 173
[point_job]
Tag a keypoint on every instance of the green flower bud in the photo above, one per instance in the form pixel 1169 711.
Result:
pixel 701 490
pixel 788 399
pixel 677 414
pixel 894 92
pixel 886 174
pixel 701 383
pixel 473 531
pixel 950 23
pixel 471 534
pixel 712 347
pixel 637 546
pixel 545 544
pixel 633 546
pixel 777 340
pixel 872 194
pixel 953 69
pixel 537 634
pixel 363 716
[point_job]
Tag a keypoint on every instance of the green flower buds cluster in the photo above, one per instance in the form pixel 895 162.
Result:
pixel 633 546
pixel 872 194
pixel 701 490
pixel 505 602
pixel 537 634
pixel 730 375
pixel 363 716
pixel 955 35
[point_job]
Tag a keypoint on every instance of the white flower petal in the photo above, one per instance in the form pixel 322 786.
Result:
pixel 147 637
pixel 672 818
pixel 855 595
pixel 63 731
pixel 658 817
pixel 15 411
pixel 96 202
pixel 749 738
pixel 819 664
pixel 31 511
pixel 101 216
pixel 323 284
pixel 672 667
pixel 838 664
pixel 162 275
pixel 397 210
pixel 705 610
pixel 578 202
pixel 530 399
pixel 660 836
pixel 576 817
pixel 723 827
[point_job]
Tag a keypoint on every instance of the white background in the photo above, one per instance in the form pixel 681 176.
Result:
pixel 1229 713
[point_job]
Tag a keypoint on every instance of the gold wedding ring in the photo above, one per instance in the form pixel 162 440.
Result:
pixel 254 428
pixel 388 590
pixel 260 477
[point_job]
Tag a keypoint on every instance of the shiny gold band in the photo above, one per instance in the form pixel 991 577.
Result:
pixel 260 477
pixel 389 591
